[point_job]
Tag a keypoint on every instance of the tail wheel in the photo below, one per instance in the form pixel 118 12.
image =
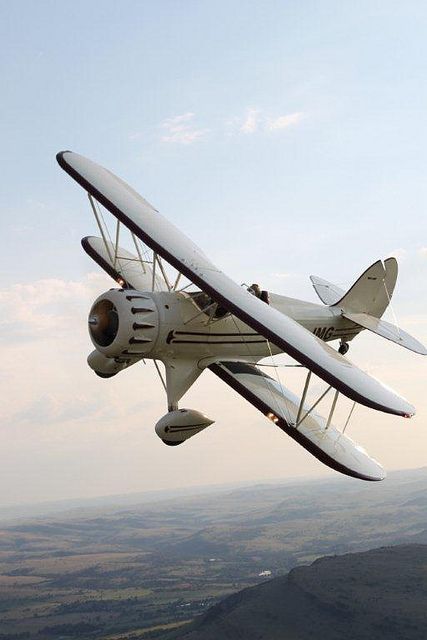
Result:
pixel 343 348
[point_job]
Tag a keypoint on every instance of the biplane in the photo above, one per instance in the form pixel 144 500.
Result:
pixel 201 319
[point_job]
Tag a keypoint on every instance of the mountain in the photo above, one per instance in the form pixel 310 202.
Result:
pixel 379 594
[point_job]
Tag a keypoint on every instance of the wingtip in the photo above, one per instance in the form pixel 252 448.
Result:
pixel 85 242
pixel 422 349
pixel 409 411
pixel 60 157
pixel 380 474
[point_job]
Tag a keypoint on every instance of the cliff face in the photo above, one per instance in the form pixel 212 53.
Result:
pixel 379 594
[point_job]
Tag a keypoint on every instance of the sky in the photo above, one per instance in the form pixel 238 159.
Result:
pixel 285 138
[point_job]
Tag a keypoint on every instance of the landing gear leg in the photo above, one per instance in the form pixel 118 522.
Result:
pixel 343 348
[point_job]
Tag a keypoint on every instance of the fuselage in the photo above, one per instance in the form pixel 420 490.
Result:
pixel 186 331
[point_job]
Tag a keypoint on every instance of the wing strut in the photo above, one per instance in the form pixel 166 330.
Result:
pixel 157 258
pixel 100 227
pixel 334 404
pixel 304 394
pixel 299 420
pixel 349 416
pixel 178 278
pixel 153 282
pixel 313 406
pixel 115 257
pixel 116 246
pixel 138 250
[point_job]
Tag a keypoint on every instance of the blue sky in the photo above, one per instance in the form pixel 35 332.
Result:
pixel 286 138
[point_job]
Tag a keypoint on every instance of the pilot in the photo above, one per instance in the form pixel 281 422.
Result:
pixel 256 290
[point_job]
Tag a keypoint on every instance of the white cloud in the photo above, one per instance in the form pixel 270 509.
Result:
pixel 184 117
pixel 283 122
pixel 181 129
pixel 255 120
pixel 250 123
pixel 49 306
pixel 45 379
pixel 423 251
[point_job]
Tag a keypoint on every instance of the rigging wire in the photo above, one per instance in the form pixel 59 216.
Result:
pixel 267 385
pixel 392 310
pixel 279 382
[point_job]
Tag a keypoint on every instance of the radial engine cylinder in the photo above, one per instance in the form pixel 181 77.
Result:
pixel 124 324
pixel 177 426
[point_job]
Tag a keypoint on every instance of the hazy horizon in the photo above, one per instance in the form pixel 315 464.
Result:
pixel 28 510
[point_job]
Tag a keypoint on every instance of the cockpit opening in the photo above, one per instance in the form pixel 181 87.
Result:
pixel 214 310
pixel 206 304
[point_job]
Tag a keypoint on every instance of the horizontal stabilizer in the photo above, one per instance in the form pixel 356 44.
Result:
pixel 281 406
pixel 328 293
pixel 386 330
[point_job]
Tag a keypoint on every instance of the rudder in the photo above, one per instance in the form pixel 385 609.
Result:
pixel 372 292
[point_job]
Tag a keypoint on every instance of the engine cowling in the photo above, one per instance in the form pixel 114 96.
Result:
pixel 124 324
pixel 180 425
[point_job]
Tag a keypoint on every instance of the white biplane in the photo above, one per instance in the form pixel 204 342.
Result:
pixel 230 328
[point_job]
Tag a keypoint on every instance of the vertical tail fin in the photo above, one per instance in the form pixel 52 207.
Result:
pixel 365 302
pixel 371 293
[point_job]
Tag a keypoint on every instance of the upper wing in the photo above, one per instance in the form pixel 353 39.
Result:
pixel 170 243
pixel 328 444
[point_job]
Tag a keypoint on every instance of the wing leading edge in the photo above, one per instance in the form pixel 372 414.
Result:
pixel 172 245
pixel 328 444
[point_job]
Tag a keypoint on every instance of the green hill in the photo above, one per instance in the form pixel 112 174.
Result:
pixel 374 595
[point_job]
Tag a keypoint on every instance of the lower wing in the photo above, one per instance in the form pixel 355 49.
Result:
pixel 122 265
pixel 280 405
